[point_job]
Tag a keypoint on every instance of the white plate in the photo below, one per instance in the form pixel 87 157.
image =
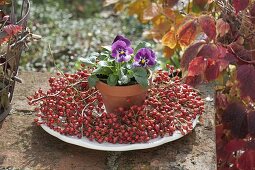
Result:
pixel 84 142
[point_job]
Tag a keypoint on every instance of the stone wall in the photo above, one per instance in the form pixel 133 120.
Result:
pixel 25 145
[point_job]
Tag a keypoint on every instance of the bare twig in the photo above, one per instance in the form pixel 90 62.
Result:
pixel 54 95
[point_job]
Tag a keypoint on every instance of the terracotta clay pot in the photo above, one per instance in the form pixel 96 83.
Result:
pixel 115 97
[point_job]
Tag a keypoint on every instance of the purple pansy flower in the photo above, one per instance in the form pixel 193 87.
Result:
pixel 120 37
pixel 145 57
pixel 121 49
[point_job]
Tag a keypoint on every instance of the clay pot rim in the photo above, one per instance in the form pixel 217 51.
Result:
pixel 121 91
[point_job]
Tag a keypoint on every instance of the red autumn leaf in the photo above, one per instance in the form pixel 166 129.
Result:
pixel 235 145
pixel 246 78
pixel 208 26
pixel 214 68
pixel 251 123
pixel 222 51
pixel 242 53
pixel 219 130
pixel 5 2
pixel 240 5
pixel 168 52
pixel 230 58
pixel 169 3
pixel 137 7
pixel 169 13
pixel 247 160
pixel 197 66
pixel 4 39
pixel 209 51
pixel 169 39
pixel 221 101
pixel 220 143
pixel 212 51
pixel 190 53
pixel 223 64
pixel 10 31
pixel 161 24
pixel 222 27
pixel 209 64
pixel 235 118
pixel 151 11
pixel 224 157
pixel 193 80
pixel 251 144
pixel 186 33
pixel 212 71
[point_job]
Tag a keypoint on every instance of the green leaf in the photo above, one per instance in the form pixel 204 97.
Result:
pixel 124 79
pixel 103 57
pixel 140 72
pixel 130 73
pixel 107 48
pixel 141 76
pixel 143 81
pixel 142 45
pixel 92 80
pixel 129 65
pixel 112 80
pixel 77 65
pixel 102 70
pixel 103 63
pixel 111 59
pixel 94 54
pixel 90 61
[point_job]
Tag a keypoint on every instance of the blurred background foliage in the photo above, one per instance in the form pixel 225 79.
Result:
pixel 71 29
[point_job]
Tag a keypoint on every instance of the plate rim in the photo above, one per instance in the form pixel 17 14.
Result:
pixel 105 146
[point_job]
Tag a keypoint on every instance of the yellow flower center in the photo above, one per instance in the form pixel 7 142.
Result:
pixel 143 61
pixel 122 52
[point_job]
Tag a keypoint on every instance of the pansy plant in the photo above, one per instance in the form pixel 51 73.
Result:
pixel 120 64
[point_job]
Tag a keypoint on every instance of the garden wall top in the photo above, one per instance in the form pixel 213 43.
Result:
pixel 24 145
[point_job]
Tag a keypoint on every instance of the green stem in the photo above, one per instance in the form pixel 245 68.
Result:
pixel 119 68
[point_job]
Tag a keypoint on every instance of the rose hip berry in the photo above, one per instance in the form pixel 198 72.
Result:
pixel 71 108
